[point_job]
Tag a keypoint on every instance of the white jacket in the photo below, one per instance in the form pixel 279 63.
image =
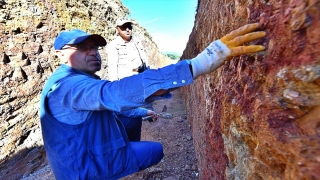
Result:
pixel 124 57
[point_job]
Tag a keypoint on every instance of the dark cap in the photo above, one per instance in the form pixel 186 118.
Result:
pixel 76 36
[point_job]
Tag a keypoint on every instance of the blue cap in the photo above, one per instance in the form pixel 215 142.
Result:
pixel 76 36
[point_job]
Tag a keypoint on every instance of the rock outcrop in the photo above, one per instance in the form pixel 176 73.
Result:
pixel 27 58
pixel 258 116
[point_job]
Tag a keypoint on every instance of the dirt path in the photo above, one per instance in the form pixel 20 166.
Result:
pixel 179 161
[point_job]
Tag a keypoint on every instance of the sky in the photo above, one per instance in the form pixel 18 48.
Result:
pixel 169 22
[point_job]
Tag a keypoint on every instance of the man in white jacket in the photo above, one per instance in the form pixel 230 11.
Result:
pixel 126 54
pixel 126 57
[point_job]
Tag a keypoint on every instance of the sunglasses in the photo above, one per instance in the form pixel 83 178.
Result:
pixel 83 47
pixel 125 26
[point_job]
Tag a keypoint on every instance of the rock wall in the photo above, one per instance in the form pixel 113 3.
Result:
pixel 258 115
pixel 28 29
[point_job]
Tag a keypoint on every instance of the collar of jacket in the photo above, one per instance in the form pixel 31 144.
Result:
pixel 120 41
pixel 78 71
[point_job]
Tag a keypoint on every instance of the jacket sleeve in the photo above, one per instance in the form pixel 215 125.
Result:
pixel 112 61
pixel 138 112
pixel 81 92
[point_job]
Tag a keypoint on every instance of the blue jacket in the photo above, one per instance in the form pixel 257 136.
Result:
pixel 94 144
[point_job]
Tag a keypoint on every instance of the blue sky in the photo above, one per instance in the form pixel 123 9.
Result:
pixel 169 22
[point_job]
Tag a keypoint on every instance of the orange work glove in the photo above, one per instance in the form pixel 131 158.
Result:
pixel 243 35
pixel 225 48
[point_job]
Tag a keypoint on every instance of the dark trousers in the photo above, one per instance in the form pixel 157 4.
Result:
pixel 132 126
pixel 148 153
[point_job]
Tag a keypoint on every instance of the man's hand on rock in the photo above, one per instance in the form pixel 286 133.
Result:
pixel 227 47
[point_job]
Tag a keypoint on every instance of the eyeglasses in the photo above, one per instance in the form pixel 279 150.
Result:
pixel 125 26
pixel 83 47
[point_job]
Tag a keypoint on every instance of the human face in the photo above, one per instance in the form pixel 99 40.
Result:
pixel 125 31
pixel 83 56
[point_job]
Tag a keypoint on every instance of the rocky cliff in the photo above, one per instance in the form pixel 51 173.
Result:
pixel 28 29
pixel 258 116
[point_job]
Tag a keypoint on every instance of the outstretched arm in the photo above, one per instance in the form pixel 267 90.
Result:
pixel 228 46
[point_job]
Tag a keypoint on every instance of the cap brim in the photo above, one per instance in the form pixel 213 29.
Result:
pixel 97 39
pixel 122 23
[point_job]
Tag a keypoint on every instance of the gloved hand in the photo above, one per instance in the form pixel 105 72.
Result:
pixel 225 48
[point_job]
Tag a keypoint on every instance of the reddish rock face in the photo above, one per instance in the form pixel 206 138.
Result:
pixel 258 116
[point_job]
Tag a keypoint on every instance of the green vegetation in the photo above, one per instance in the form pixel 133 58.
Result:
pixel 173 56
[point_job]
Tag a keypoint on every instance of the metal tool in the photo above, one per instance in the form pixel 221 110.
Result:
pixel 150 118
pixel 163 114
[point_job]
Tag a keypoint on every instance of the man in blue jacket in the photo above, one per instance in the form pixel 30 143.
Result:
pixel 82 136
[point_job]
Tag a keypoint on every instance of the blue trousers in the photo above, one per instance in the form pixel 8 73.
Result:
pixel 148 153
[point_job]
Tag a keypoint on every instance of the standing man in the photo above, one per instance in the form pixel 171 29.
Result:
pixel 82 137
pixel 127 57
pixel 126 54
